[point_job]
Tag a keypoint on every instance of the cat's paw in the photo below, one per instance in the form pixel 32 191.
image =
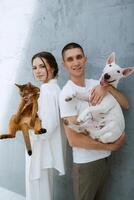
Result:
pixel 43 130
pixel 29 152
pixel 1 137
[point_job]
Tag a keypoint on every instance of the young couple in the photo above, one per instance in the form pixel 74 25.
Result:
pixel 90 157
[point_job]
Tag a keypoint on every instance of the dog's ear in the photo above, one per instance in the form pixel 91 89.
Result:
pixel 127 71
pixel 111 58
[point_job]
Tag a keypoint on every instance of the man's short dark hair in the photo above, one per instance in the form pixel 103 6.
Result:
pixel 71 45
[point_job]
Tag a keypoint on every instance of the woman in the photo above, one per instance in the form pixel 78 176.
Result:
pixel 47 148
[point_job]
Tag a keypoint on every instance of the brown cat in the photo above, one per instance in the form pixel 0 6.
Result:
pixel 26 117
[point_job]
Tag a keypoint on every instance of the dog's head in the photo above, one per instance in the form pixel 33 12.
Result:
pixel 112 73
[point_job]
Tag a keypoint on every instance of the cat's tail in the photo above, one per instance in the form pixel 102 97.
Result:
pixel 26 136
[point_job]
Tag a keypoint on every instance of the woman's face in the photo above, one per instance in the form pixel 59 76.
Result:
pixel 42 70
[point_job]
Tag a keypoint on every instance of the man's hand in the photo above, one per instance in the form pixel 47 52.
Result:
pixel 118 143
pixel 97 94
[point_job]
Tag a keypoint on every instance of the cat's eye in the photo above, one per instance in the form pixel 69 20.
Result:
pixel 110 65
pixel 118 71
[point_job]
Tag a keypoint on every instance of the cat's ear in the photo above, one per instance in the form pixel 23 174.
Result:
pixel 29 84
pixel 19 86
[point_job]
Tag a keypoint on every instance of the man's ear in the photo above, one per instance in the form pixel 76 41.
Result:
pixel 63 63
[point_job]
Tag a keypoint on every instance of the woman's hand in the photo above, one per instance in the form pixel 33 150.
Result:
pixel 97 94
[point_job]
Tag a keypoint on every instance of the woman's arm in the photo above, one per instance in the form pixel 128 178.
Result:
pixel 99 92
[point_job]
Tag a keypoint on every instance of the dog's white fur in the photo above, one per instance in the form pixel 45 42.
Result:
pixel 105 121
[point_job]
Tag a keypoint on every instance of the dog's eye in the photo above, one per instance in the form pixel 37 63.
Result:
pixel 118 71
pixel 110 65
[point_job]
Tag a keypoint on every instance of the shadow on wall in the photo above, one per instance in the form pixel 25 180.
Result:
pixel 13 150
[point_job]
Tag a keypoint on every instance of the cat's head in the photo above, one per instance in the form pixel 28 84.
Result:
pixel 28 90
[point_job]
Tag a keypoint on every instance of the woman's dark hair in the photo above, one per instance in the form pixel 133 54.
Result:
pixel 50 60
pixel 71 45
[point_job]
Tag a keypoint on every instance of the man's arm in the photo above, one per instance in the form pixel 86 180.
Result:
pixel 99 92
pixel 83 141
pixel 122 100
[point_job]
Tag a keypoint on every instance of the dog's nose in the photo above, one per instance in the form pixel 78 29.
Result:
pixel 106 76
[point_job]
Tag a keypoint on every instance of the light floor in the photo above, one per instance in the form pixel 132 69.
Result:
pixel 9 195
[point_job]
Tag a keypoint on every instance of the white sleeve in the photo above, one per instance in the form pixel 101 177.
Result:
pixel 48 112
pixel 67 109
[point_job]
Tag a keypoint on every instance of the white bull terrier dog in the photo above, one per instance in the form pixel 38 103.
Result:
pixel 105 121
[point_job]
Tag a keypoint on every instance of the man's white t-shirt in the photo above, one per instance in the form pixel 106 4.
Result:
pixel 74 108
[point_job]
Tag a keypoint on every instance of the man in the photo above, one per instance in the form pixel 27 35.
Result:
pixel 89 156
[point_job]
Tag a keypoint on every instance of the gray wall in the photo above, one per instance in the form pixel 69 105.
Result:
pixel 100 27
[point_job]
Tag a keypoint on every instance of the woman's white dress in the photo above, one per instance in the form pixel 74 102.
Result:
pixel 47 151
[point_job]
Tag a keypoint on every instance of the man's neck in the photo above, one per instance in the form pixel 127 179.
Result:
pixel 78 81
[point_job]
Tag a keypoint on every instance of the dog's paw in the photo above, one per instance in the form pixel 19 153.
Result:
pixel 84 117
pixel 70 97
pixel 81 119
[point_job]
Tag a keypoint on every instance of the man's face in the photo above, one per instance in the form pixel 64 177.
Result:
pixel 74 60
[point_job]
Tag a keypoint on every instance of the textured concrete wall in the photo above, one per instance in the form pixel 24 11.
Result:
pixel 15 20
pixel 100 27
